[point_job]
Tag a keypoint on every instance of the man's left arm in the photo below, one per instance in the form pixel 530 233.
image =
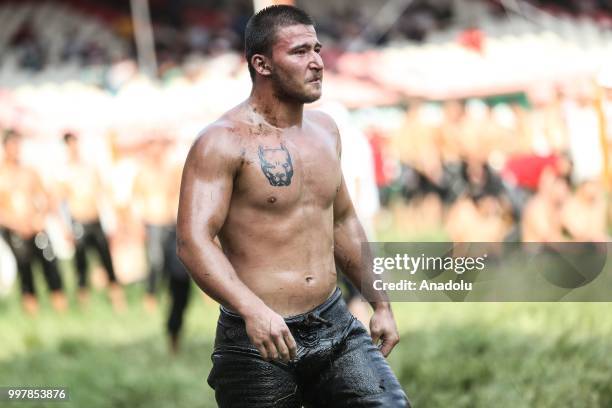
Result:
pixel 354 260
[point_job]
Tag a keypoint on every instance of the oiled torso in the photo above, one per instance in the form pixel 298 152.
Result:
pixel 83 189
pixel 157 186
pixel 278 233
pixel 22 199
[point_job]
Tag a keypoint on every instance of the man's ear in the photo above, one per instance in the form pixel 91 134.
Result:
pixel 261 64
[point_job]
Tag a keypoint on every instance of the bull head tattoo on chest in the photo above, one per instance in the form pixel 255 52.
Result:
pixel 276 165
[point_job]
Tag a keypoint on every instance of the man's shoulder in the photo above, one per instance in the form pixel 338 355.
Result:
pixel 221 134
pixel 321 118
pixel 23 170
pixel 326 124
pixel 218 144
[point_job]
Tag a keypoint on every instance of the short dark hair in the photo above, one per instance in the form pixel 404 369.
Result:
pixel 261 29
pixel 10 134
pixel 69 136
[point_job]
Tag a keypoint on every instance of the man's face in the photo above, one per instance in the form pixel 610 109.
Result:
pixel 297 67
pixel 12 149
pixel 73 147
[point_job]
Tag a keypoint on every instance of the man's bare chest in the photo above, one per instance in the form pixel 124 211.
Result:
pixel 156 180
pixel 281 174
pixel 16 181
pixel 81 178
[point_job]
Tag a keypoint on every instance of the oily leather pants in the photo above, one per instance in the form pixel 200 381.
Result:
pixel 27 251
pixel 91 235
pixel 336 365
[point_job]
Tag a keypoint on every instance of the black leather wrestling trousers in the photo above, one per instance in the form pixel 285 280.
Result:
pixel 336 366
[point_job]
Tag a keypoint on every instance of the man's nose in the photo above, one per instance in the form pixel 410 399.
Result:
pixel 317 62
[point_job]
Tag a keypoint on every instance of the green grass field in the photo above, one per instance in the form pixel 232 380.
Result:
pixel 472 355
pixel 459 355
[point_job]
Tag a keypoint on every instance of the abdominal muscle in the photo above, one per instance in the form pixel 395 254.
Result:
pixel 291 292
pixel 290 266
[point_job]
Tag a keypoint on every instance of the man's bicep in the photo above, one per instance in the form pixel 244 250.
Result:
pixel 206 189
pixel 343 206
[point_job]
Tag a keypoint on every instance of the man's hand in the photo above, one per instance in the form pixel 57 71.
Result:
pixel 383 328
pixel 268 332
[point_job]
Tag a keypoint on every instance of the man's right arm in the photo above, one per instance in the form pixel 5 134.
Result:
pixel 6 220
pixel 206 190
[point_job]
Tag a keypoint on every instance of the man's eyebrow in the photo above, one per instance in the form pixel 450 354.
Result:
pixel 305 45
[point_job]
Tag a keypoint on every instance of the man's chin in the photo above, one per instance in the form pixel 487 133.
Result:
pixel 312 97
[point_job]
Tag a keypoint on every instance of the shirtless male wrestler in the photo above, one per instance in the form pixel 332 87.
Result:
pixel 82 190
pixel 266 179
pixel 542 217
pixel 24 206
pixel 156 193
pixel 584 213
pixel 154 205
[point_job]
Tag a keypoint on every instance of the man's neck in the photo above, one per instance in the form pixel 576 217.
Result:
pixel 11 163
pixel 276 112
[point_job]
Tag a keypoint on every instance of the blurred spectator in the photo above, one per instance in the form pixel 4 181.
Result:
pixel 127 233
pixel 480 220
pixel 24 207
pixel 156 194
pixel 584 213
pixel 384 168
pixel 525 170
pixel 83 193
pixel 542 215
pixel 545 125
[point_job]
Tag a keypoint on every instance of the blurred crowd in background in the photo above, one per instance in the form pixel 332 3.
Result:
pixel 461 120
